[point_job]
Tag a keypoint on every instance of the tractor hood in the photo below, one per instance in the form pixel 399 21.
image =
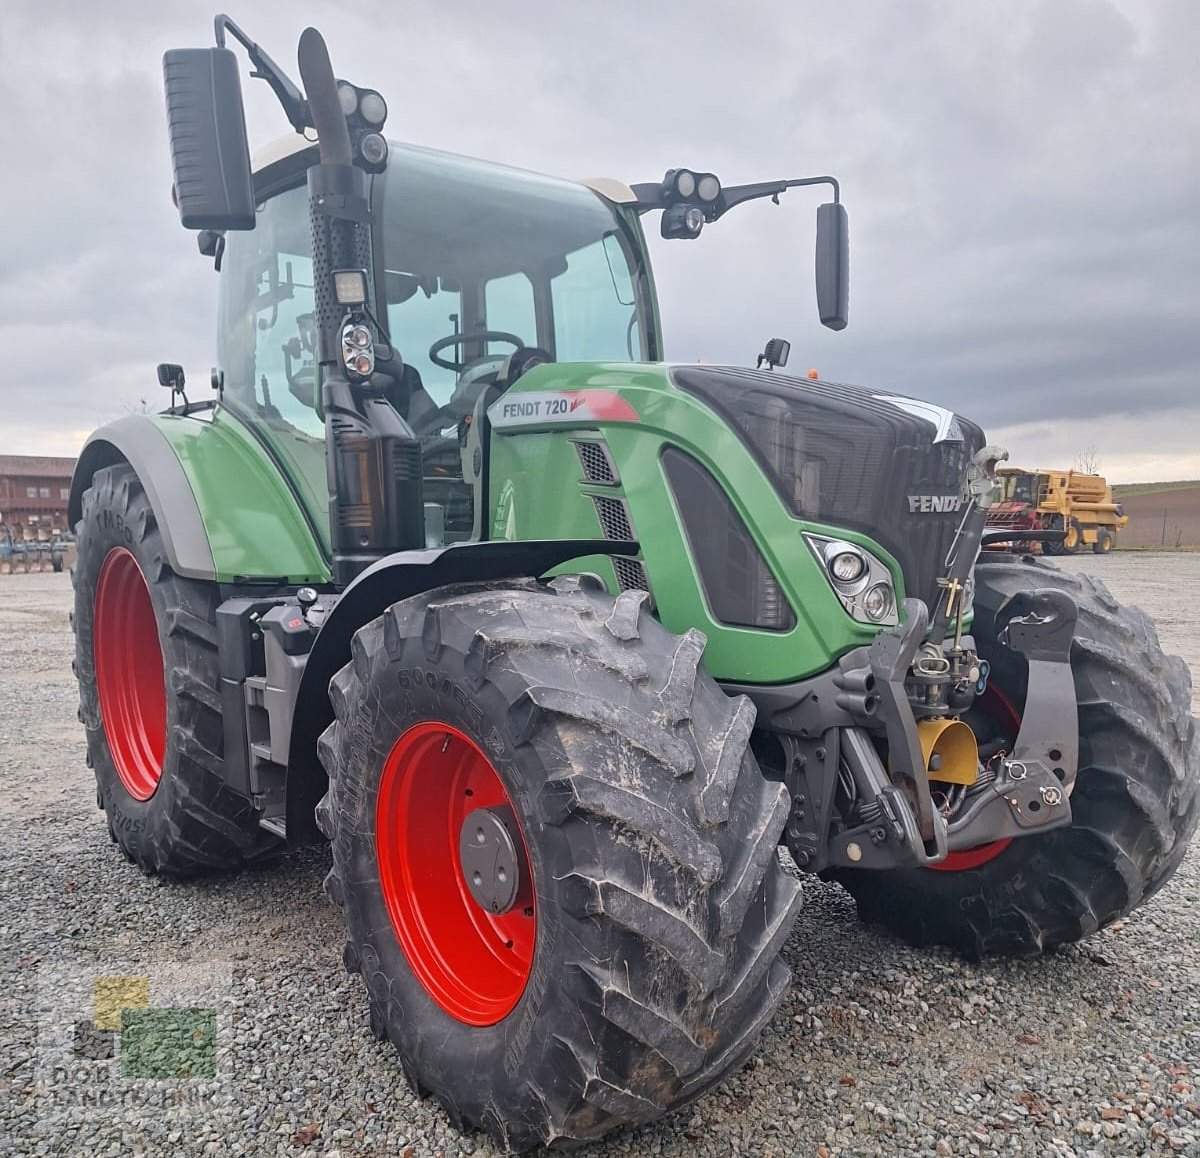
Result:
pixel 892 468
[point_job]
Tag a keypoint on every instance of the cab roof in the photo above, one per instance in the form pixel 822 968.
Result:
pixel 285 148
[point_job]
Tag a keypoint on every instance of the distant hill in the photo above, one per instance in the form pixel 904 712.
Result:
pixel 1160 514
pixel 1123 489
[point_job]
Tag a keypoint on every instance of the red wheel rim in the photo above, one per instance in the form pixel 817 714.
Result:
pixel 129 674
pixel 997 705
pixel 473 964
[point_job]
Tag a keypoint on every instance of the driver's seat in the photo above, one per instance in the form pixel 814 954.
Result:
pixel 409 398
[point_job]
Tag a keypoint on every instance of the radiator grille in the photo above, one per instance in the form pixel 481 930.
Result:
pixel 614 518
pixel 631 575
pixel 597 465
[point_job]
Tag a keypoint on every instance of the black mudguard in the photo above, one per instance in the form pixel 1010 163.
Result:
pixel 397 577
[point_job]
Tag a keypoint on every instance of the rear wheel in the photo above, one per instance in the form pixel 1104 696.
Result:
pixel 556 857
pixel 146 662
pixel 1134 807
pixel 1103 543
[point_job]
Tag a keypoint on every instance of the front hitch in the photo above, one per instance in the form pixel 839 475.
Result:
pixel 1031 787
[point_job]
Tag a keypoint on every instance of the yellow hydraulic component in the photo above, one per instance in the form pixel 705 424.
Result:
pixel 950 750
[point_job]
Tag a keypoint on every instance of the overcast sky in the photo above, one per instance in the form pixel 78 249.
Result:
pixel 1023 182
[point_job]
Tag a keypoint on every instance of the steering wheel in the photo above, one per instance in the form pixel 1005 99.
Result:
pixel 468 336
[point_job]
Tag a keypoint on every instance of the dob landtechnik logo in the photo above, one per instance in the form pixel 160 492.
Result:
pixel 118 1037
pixel 151 1042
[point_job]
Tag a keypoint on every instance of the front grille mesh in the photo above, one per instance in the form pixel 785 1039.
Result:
pixel 598 467
pixel 614 517
pixel 631 575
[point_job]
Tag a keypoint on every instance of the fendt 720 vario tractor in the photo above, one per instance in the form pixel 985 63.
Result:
pixel 558 643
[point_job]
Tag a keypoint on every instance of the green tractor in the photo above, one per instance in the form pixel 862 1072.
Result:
pixel 559 644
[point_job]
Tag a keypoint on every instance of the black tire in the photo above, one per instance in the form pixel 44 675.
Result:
pixel 1054 546
pixel 1103 543
pixel 662 906
pixel 1134 807
pixel 1069 547
pixel 192 822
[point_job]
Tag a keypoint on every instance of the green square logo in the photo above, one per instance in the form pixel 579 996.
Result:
pixel 168 1043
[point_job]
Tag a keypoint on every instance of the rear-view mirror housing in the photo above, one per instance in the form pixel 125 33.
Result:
pixel 207 126
pixel 833 265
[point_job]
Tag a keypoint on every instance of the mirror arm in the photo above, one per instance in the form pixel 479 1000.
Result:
pixel 295 107
pixel 736 194
pixel 649 196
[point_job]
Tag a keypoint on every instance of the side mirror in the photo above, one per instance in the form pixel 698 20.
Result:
pixel 211 159
pixel 833 265
pixel 171 376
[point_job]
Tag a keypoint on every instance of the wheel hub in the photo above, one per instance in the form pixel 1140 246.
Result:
pixel 491 863
pixel 470 945
pixel 130 681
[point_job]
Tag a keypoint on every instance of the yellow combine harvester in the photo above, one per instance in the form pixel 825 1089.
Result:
pixel 1079 507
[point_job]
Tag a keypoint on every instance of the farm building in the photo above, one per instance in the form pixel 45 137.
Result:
pixel 34 491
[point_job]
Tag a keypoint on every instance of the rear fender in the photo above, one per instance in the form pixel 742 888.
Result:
pixel 137 441
pixel 226 507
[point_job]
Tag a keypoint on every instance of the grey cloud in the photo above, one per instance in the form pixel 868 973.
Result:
pixel 1023 181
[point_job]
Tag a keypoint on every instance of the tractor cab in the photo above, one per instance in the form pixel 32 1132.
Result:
pixel 477 273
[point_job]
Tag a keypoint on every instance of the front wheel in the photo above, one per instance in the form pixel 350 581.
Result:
pixel 556 856
pixel 1134 807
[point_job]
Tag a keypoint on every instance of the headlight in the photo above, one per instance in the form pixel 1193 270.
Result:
pixel 846 563
pixel 358 336
pixel 373 149
pixel 878 602
pixel 862 583
pixel 358 353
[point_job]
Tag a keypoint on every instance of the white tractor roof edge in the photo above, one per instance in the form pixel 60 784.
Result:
pixel 278 150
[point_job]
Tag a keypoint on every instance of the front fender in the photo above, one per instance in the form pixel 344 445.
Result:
pixel 397 577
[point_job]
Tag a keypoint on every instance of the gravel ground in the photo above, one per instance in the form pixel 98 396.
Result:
pixel 879 1049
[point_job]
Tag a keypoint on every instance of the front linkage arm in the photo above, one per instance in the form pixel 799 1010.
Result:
pixel 830 724
pixel 1033 785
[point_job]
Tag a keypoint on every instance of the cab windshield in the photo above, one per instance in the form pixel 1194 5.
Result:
pixel 471 249
pixel 1019 488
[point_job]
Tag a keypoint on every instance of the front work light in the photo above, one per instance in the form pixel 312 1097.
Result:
pixel 350 286
pixel 372 108
pixel 347 98
pixel 685 184
pixel 682 220
pixel 708 188
pixel 373 150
